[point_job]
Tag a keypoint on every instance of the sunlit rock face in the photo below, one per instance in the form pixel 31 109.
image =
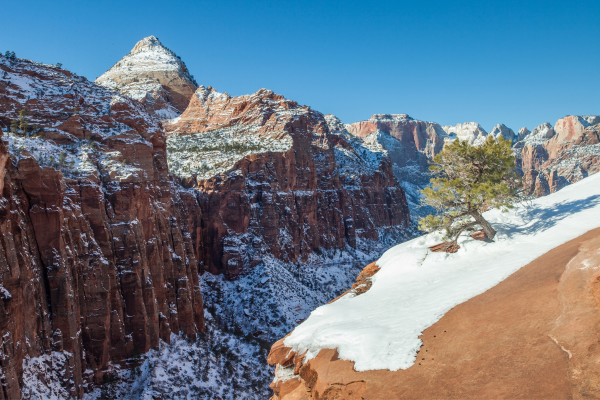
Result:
pixel 153 75
pixel 278 178
pixel 553 157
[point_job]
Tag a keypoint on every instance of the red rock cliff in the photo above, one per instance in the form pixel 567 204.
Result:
pixel 99 250
pixel 553 157
pixel 289 199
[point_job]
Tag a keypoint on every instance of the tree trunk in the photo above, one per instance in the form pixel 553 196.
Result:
pixel 487 228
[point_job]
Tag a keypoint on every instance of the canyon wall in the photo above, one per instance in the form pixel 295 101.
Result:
pixel 102 246
pixel 99 246
pixel 315 192
pixel 552 157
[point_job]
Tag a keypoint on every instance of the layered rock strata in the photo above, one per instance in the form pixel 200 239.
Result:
pixel 153 75
pixel 99 251
pixel 274 177
pixel 553 157
pixel 534 335
pixel 410 143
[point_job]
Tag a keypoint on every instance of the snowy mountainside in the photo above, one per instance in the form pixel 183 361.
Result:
pixel 354 156
pixel 206 154
pixel 79 135
pixel 153 75
pixel 414 287
pixel 472 132
pixel 221 364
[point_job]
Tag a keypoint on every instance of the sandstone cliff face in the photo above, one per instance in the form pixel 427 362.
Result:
pixel 99 250
pixel 409 142
pixel 153 75
pixel 534 335
pixel 553 157
pixel 271 177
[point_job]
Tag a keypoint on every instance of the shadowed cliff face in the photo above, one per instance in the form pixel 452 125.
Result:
pixel 98 258
pixel 290 202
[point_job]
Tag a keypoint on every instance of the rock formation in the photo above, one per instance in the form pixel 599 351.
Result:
pixel 534 335
pixel 279 178
pixel 504 131
pixel 102 246
pixel 522 133
pixel 153 75
pixel 552 157
pixel 472 132
pixel 99 251
pixel 410 144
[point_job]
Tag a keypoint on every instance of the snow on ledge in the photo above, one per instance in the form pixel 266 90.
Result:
pixel 415 288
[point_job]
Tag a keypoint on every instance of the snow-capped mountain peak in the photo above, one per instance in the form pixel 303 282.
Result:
pixel 154 75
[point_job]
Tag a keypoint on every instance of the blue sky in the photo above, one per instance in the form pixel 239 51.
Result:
pixel 520 63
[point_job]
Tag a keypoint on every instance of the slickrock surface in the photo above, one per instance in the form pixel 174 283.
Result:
pixel 279 178
pixel 98 256
pixel 553 157
pixel 155 76
pixel 534 335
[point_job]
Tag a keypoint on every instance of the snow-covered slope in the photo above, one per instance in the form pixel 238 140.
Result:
pixel 153 75
pixel 414 288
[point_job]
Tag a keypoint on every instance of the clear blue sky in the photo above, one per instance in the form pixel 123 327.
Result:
pixel 521 63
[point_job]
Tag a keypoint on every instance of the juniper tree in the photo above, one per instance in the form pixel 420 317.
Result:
pixel 469 180
pixel 21 124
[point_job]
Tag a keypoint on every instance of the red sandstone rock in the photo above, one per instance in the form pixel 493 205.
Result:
pixel 420 141
pixel 96 264
pixel 564 156
pixel 285 203
pixel 534 335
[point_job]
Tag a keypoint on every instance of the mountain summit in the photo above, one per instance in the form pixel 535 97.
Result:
pixel 154 75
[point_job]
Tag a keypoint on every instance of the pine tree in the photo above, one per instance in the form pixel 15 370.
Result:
pixel 21 123
pixel 467 181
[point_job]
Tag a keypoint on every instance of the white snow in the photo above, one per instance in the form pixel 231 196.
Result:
pixel 4 293
pixel 359 156
pixel 472 132
pixel 414 288
pixel 207 154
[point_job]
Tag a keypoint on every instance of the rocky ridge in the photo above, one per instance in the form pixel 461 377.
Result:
pixel 153 75
pixel 99 247
pixel 279 189
pixel 552 157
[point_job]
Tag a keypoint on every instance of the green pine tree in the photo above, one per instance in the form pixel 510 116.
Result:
pixel 468 181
